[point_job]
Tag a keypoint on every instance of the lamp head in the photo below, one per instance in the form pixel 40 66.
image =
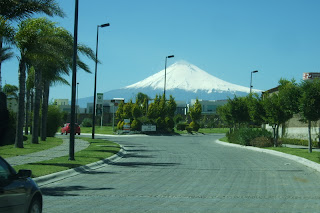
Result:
pixel 255 71
pixel 170 56
pixel 104 25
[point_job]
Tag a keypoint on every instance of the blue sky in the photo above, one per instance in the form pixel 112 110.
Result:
pixel 226 38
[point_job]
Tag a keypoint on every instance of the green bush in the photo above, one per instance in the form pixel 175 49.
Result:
pixel 182 126
pixel 244 136
pixel 189 129
pixel 54 120
pixel 136 125
pixel 262 142
pixel 120 125
pixel 195 126
pixel 87 122
pixel 298 142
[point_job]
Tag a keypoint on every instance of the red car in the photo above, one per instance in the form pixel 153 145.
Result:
pixel 66 129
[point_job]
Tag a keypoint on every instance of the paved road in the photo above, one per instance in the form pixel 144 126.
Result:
pixel 188 174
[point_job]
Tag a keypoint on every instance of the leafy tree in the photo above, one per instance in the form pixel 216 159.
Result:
pixel 195 114
pixel 239 110
pixel 256 109
pixel 224 113
pixel 280 106
pixel 309 104
pixel 136 111
pixel 171 107
pixel 127 110
pixel 195 111
pixel 119 111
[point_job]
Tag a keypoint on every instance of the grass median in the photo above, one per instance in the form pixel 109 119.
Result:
pixel 97 150
pixel 98 130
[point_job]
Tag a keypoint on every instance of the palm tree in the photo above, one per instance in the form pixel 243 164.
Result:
pixel 6 35
pixel 10 91
pixel 14 10
pixel 62 64
pixel 29 43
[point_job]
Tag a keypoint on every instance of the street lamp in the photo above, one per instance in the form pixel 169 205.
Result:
pixel 95 80
pixel 251 80
pixel 77 105
pixel 74 81
pixel 165 75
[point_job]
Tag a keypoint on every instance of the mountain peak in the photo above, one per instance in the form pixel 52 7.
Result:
pixel 186 76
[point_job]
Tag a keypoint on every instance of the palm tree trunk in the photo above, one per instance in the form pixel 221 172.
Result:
pixel 0 65
pixel 309 141
pixel 31 109
pixel 36 110
pixel 21 103
pixel 26 128
pixel 45 102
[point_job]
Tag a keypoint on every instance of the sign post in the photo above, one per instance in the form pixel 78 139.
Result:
pixel 100 106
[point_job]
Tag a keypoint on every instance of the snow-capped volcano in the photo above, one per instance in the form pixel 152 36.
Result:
pixel 184 82
pixel 185 76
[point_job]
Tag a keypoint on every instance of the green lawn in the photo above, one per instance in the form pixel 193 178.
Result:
pixel 10 151
pixel 97 150
pixel 98 129
pixel 314 156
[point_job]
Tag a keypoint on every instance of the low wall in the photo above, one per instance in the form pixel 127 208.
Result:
pixel 297 132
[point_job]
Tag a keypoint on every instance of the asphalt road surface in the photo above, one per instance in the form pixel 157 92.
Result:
pixel 188 173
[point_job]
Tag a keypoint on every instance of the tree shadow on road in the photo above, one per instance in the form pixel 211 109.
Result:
pixel 140 164
pixel 68 190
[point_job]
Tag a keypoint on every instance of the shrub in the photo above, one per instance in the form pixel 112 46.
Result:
pixel 189 129
pixel 244 136
pixel 53 120
pixel 262 142
pixel 181 126
pixel 297 142
pixel 120 125
pixel 87 122
pixel 195 126
pixel 136 125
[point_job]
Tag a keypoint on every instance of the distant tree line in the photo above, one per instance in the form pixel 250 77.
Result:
pixel 275 108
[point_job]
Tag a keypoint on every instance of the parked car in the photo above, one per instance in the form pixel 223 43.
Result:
pixel 67 127
pixel 18 192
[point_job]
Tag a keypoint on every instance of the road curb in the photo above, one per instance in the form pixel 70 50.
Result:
pixel 301 160
pixel 51 178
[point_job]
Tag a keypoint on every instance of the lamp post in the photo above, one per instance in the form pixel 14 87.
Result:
pixel 251 80
pixel 95 80
pixel 74 81
pixel 165 75
pixel 77 105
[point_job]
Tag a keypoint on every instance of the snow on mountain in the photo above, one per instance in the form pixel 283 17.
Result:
pixel 185 76
pixel 184 82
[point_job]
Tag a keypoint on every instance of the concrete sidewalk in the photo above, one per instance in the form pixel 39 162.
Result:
pixel 48 154
pixel 300 147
